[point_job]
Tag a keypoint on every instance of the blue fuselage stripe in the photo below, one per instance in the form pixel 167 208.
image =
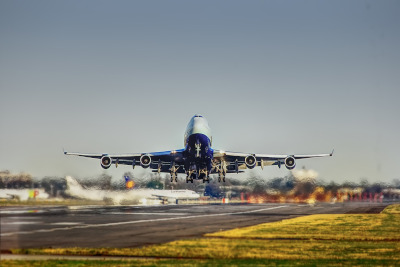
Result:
pixel 198 152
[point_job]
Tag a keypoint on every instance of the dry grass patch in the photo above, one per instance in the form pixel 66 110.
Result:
pixel 330 238
pixel 366 227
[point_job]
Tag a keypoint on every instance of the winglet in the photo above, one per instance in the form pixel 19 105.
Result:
pixel 332 152
pixel 65 152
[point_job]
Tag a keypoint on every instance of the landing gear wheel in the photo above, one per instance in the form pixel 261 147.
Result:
pixel 206 179
pixel 174 177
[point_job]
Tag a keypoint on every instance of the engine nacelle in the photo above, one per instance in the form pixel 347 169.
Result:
pixel 290 162
pixel 105 162
pixel 145 161
pixel 250 161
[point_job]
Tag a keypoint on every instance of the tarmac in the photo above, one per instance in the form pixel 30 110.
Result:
pixel 136 226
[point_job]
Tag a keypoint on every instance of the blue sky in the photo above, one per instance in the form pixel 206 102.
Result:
pixel 275 77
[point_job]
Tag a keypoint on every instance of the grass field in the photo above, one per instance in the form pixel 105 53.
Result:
pixel 316 240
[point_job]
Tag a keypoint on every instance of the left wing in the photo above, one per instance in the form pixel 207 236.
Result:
pixel 160 161
pixel 235 161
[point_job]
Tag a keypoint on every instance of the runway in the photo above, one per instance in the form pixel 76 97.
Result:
pixel 133 226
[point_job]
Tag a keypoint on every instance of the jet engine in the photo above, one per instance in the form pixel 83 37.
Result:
pixel 105 162
pixel 290 162
pixel 145 161
pixel 250 161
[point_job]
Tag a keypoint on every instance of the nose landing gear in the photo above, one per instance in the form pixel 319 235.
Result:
pixel 190 176
pixel 221 177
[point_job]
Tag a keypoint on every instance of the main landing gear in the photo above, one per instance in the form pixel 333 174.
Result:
pixel 189 179
pixel 221 177
pixel 174 177
pixel 206 179
pixel 221 169
pixel 173 169
pixel 189 176
pixel 204 175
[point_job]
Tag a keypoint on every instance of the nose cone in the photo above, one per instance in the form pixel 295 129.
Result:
pixel 197 125
pixel 200 126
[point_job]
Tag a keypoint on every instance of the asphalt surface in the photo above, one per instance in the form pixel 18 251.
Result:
pixel 133 226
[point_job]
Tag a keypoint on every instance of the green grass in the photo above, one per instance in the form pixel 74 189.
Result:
pixel 316 240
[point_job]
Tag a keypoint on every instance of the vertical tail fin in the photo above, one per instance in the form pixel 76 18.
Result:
pixel 72 183
pixel 129 183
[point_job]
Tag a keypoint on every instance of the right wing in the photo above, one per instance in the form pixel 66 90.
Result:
pixel 236 161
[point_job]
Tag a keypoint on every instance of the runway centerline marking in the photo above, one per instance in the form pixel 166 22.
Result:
pixel 139 221
pixel 66 223
pixel 17 223
pixel 146 213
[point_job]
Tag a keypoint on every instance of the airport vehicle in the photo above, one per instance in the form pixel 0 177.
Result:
pixel 134 196
pixel 198 159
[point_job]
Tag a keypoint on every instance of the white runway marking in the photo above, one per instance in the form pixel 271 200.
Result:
pixel 146 213
pixel 20 211
pixel 139 221
pixel 66 223
pixel 18 223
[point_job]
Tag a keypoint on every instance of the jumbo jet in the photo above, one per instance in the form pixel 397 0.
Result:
pixel 198 159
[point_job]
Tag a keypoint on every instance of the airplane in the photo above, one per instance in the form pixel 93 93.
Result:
pixel 23 194
pixel 197 159
pixel 144 195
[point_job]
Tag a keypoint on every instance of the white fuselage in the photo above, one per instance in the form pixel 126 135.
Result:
pixel 74 189
pixel 197 125
pixel 23 194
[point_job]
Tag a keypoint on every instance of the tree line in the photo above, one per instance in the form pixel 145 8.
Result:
pixel 252 185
